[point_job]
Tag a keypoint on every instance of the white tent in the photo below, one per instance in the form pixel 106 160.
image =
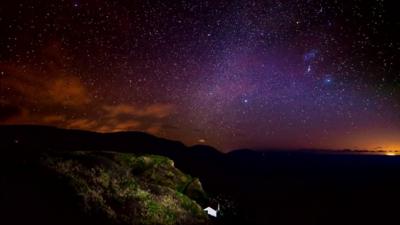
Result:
pixel 212 212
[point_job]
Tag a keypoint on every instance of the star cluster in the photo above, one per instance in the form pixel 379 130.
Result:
pixel 232 74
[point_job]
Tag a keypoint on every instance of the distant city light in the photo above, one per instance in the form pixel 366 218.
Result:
pixel 390 153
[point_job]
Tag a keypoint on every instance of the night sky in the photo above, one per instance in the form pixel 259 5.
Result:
pixel 231 74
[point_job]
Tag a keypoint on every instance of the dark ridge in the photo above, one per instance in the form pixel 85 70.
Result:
pixel 31 139
pixel 42 138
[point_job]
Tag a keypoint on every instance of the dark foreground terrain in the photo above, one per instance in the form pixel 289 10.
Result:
pixel 56 176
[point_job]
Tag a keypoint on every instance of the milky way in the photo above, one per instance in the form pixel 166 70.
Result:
pixel 232 74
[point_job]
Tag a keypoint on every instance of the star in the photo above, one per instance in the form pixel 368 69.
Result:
pixel 181 70
pixel 328 79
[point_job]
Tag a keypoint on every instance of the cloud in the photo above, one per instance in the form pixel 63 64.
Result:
pixel 158 110
pixel 147 118
pixel 85 124
pixel 51 119
pixel 127 125
pixel 100 117
pixel 68 91
pixel 154 129
pixel 53 87
pixel 122 117
pixel 118 110
pixel 50 94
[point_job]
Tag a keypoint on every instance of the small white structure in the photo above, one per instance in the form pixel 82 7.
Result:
pixel 212 212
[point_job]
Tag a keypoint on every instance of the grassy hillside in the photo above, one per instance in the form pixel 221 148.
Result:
pixel 101 187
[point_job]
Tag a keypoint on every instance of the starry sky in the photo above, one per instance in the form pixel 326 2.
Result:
pixel 231 74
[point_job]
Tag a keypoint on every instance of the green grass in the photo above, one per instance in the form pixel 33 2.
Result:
pixel 149 183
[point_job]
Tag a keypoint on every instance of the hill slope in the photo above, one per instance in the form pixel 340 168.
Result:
pixel 99 188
